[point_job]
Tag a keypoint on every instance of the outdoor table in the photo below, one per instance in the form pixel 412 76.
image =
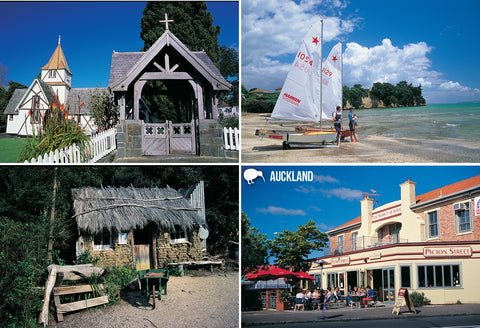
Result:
pixel 357 299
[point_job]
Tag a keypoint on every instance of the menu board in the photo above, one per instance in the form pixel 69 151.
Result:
pixel 403 294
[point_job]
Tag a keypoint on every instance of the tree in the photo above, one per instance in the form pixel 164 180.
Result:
pixel 293 248
pixel 229 69
pixel 193 25
pixel 254 246
pixel 103 109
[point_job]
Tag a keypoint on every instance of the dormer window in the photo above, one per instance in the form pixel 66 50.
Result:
pixel 52 73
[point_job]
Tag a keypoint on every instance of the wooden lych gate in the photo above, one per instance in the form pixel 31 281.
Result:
pixel 169 138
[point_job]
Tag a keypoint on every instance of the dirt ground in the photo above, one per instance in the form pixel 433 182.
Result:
pixel 201 300
pixel 370 149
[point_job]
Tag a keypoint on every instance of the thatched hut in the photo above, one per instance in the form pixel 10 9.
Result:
pixel 149 225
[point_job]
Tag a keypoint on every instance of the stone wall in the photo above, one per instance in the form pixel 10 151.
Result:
pixel 129 139
pixel 211 138
pixel 117 256
pixel 190 250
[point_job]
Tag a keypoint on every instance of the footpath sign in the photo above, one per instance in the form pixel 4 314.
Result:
pixel 403 294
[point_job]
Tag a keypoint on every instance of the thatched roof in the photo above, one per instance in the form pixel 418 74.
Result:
pixel 125 209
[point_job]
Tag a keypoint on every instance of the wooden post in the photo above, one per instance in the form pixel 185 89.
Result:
pixel 46 299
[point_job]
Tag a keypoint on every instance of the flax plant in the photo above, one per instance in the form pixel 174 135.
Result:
pixel 55 132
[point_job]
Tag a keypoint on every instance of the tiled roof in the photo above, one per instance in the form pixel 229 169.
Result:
pixel 80 95
pixel 450 189
pixel 349 223
pixel 14 100
pixel 57 61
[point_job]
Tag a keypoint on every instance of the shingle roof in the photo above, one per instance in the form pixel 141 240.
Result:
pixel 57 61
pixel 14 100
pixel 81 95
pixel 122 62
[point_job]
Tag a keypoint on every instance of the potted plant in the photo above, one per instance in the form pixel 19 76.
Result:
pixel 282 300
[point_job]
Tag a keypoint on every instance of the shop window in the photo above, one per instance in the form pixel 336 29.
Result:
pixel 439 276
pixel 178 236
pixel 462 217
pixel 102 241
pixel 405 276
pixel 432 224
pixel 332 279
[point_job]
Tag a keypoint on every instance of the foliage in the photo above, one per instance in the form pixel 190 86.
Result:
pixel 103 109
pixel 254 246
pixel 403 94
pixel 22 263
pixel 193 25
pixel 229 68
pixel 257 106
pixel 5 95
pixel 284 294
pixel 228 121
pixel 118 279
pixel 292 248
pixel 86 258
pixel 56 258
pixel 419 299
pixel 56 132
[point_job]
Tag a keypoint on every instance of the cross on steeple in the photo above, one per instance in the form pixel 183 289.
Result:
pixel 166 21
pixel 59 37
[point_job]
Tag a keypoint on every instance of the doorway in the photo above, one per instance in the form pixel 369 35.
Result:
pixel 141 248
pixel 388 285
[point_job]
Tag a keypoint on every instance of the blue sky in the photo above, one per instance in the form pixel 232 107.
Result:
pixel 333 198
pixel 432 42
pixel 90 31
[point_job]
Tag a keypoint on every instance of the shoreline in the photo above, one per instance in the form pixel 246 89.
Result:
pixel 370 149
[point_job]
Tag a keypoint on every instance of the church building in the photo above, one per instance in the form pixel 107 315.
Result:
pixel 27 107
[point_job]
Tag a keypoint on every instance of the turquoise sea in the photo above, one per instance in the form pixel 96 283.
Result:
pixel 459 122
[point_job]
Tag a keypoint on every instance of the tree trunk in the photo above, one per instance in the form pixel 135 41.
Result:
pixel 52 218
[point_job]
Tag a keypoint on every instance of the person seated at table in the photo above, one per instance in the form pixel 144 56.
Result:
pixel 299 300
pixel 308 295
pixel 369 296
pixel 315 294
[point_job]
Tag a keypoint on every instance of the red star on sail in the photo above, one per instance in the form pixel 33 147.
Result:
pixel 315 40
pixel 334 59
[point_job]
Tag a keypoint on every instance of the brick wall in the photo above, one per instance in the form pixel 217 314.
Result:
pixel 118 256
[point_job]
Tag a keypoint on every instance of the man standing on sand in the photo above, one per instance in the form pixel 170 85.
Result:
pixel 353 125
pixel 337 122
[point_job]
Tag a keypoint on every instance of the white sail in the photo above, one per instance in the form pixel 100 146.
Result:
pixel 300 97
pixel 332 82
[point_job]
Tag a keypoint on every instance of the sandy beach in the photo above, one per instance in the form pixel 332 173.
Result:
pixel 203 300
pixel 370 149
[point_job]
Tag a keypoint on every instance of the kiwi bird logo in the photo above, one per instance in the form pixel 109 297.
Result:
pixel 252 174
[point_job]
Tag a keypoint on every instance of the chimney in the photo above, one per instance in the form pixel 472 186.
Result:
pixel 407 192
pixel 366 208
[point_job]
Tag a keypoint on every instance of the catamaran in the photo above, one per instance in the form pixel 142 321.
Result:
pixel 310 95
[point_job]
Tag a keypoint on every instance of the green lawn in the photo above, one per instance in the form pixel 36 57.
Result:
pixel 10 148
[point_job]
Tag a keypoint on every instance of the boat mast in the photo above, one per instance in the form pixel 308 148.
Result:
pixel 321 75
pixel 341 74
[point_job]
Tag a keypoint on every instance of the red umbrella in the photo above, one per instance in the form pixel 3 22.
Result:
pixel 272 274
pixel 303 275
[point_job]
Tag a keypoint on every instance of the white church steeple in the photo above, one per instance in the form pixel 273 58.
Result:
pixel 57 74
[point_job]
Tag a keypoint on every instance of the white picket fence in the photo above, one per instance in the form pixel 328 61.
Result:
pixel 99 146
pixel 231 138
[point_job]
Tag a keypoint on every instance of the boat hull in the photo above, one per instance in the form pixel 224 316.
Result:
pixel 304 137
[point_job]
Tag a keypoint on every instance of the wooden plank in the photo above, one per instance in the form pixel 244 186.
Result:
pixel 75 306
pixel 52 277
pixel 65 290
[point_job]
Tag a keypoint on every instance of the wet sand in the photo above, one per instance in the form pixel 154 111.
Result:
pixel 370 149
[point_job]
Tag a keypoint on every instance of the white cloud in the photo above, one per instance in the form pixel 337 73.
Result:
pixel 272 29
pixel 324 178
pixel 281 211
pixel 387 63
pixel 342 193
pixel 450 85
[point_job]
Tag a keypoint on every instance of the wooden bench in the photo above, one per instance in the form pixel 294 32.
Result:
pixel 181 265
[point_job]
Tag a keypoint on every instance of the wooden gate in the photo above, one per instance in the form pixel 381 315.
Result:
pixel 141 254
pixel 168 138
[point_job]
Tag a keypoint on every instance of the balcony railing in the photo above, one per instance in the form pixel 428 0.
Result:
pixel 366 242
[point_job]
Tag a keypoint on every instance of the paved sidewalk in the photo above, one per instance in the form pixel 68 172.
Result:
pixel 268 317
